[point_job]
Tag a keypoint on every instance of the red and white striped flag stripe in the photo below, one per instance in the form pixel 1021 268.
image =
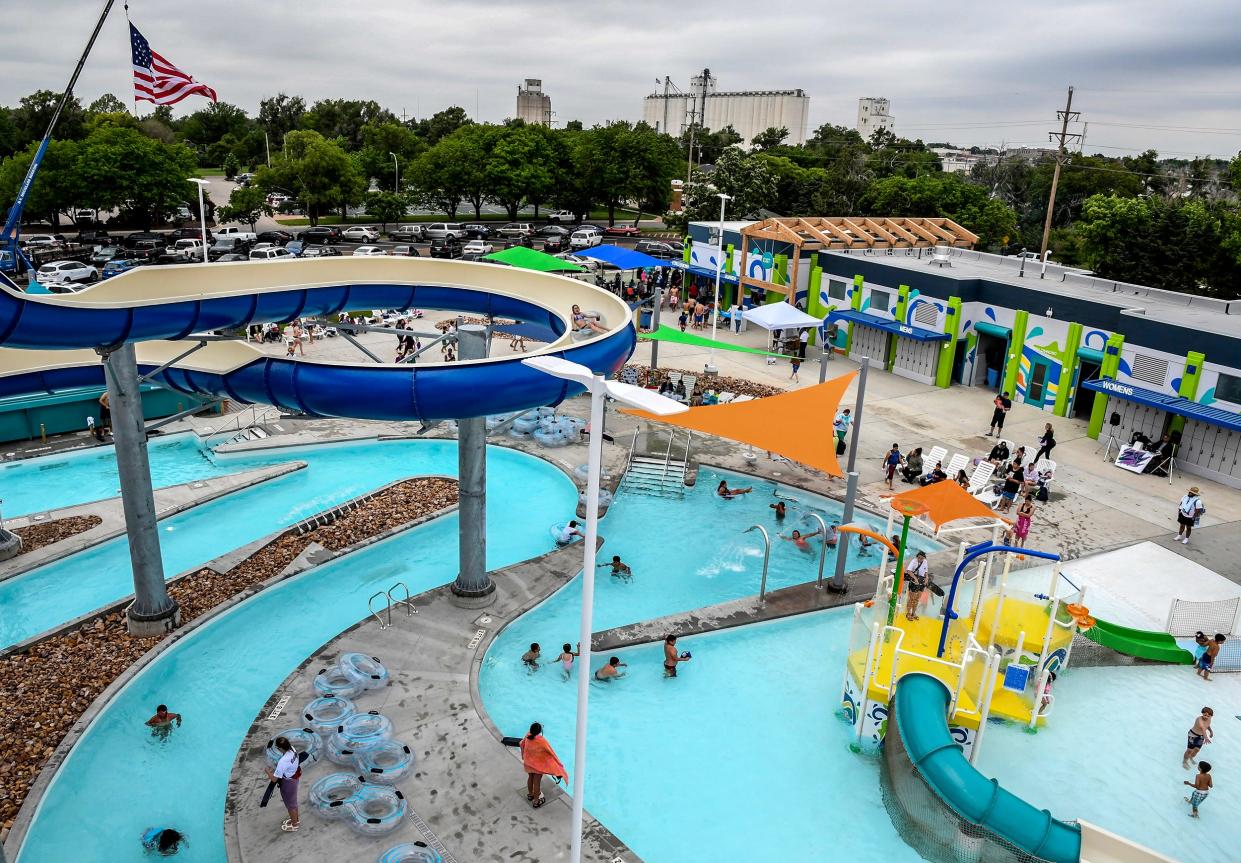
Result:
pixel 157 80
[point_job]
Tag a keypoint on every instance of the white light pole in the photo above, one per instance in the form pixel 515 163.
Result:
pixel 719 269
pixel 396 173
pixel 646 400
pixel 202 212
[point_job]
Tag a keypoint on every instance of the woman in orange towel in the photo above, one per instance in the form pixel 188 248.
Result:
pixel 538 757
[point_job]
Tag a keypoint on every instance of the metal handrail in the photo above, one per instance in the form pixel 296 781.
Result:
pixel 667 457
pixel 689 437
pixel 762 588
pixel 410 611
pixel 818 582
pixel 370 604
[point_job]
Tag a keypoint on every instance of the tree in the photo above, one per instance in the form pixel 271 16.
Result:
pixel 743 176
pixel 55 187
pixel 231 166
pixel 386 207
pixel 107 104
pixel 709 145
pixel 35 111
pixel 8 133
pixel 120 167
pixel 316 171
pixel 279 115
pixel 943 195
pixel 770 138
pixel 246 204
pixel 344 119
pixel 520 167
pixel 443 123
pixel 379 142
pixel 211 125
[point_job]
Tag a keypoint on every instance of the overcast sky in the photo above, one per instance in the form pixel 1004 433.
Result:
pixel 972 72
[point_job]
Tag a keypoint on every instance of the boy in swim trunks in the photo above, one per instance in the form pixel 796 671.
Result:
pixel 1202 785
pixel 1207 661
pixel 671 657
pixel 620 569
pixel 531 656
pixel 611 670
pixel 1199 735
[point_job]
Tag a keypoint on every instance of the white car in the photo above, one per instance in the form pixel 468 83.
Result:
pixel 274 253
pixel 562 217
pixel 369 252
pixel 478 247
pixel 68 271
pixel 40 241
pixel 585 239
pixel 359 234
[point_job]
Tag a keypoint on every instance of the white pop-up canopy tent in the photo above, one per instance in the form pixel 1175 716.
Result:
pixel 780 316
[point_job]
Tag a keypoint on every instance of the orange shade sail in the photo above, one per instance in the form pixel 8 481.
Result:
pixel 942 502
pixel 797 424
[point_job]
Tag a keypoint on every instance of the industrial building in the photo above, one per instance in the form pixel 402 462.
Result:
pixel 748 111
pixel 533 105
pixel 874 114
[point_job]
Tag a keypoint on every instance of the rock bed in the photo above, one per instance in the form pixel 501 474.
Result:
pixel 46 690
pixel 719 383
pixel 45 533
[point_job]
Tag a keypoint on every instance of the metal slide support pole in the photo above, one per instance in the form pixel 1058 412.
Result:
pixel 153 611
pixel 659 304
pixel 472 579
pixel 837 584
pixel 594 464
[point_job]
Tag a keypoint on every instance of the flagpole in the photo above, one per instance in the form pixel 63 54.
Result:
pixel 128 34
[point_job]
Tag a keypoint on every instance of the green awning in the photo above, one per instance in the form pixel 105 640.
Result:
pixel 1090 355
pixel 666 333
pixel 993 330
pixel 529 259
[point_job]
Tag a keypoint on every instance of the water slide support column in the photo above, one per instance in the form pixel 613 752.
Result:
pixel 472 583
pixel 153 611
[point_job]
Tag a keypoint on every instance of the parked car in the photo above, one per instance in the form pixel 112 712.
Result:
pixel 85 216
pixel 189 234
pixel 445 247
pixel 35 241
pixel 513 230
pixel 566 216
pixel 277 237
pixel 478 247
pixel 147 250
pixel 622 231
pixel 272 253
pixel 68 271
pixel 296 247
pixel 320 234
pixel 369 252
pixel 94 237
pixel 588 264
pixel 552 231
pixel 656 249
pixel 406 251
pixel 186 250
pixel 585 239
pixel 103 254
pixel 477 231
pixel 407 233
pixel 359 234
pixel 116 266
pixel 231 258
pixel 245 179
pixel 320 252
pixel 228 246
pixel 234 231
pixel 587 226
pixel 137 237
pixel 443 230
pixel 276 200
pixel 554 243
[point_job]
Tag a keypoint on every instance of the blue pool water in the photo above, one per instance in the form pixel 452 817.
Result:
pixel 38 600
pixel 220 676
pixel 80 476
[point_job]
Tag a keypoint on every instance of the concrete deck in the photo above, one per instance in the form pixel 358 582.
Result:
pixel 467 798
pixel 169 501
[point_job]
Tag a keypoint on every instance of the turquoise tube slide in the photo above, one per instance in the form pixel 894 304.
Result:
pixel 921 706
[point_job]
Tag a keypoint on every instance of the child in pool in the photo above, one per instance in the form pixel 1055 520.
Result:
pixel 566 660
pixel 1202 785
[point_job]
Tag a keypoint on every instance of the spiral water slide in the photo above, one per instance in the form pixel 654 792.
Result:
pixel 162 308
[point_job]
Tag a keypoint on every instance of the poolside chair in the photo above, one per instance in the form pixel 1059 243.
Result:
pixel 981 477
pixel 1045 464
pixel 690 381
pixel 958 462
pixel 740 399
pixel 934 457
pixel 726 397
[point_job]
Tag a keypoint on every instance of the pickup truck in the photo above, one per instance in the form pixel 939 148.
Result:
pixel 182 252
pixel 234 231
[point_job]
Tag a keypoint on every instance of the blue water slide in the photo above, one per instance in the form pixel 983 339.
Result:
pixel 150 304
pixel 921 707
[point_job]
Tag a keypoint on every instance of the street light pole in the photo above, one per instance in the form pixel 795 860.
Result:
pixel 837 584
pixel 267 145
pixel 599 389
pixel 719 269
pixel 202 213
pixel 396 173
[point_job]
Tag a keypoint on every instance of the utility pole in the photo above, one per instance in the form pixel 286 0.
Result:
pixel 1060 139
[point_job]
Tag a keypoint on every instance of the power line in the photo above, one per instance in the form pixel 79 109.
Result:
pixel 1193 129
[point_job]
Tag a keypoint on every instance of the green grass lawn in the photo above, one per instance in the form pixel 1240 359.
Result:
pixel 211 172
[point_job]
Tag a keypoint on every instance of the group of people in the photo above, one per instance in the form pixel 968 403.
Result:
pixel 694 310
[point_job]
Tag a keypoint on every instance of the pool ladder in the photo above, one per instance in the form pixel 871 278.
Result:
pixel 384 614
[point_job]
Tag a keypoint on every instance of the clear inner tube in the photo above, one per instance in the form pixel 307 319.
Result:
pixel 325 713
pixel 303 740
pixel 369 669
pixel 386 764
pixel 329 796
pixel 411 852
pixel 376 809
pixel 337 681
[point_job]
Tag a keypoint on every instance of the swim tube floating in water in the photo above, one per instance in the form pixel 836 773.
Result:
pixel 605 498
pixel 303 740
pixel 386 764
pixel 329 795
pixel 327 712
pixel 369 669
pixel 411 852
pixel 337 681
pixel 376 809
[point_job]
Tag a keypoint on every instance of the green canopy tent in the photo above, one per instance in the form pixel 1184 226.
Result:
pixel 666 333
pixel 529 259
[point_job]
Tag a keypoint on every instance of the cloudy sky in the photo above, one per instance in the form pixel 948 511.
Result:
pixel 1148 74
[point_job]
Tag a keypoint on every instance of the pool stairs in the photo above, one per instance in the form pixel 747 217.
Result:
pixel 660 474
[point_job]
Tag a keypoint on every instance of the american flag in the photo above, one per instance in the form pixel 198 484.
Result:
pixel 157 80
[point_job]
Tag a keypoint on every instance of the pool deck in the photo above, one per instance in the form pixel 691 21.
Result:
pixel 169 501
pixel 467 798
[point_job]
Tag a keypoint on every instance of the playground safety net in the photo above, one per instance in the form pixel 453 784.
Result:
pixel 929 825
pixel 1187 617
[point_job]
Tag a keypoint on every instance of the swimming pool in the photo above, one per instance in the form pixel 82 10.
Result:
pixel 39 600
pixel 88 474
pixel 220 676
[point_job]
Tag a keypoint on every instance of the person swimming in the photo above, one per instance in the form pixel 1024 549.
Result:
pixel 729 493
pixel 567 533
pixel 611 670
pixel 799 539
pixel 566 660
pixel 778 506
pixel 163 840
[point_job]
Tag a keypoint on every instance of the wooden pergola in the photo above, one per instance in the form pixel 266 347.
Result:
pixel 814 233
